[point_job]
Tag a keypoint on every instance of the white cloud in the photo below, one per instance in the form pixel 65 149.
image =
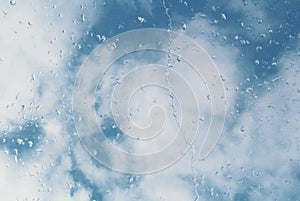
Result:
pixel 36 44
pixel 36 40
pixel 264 153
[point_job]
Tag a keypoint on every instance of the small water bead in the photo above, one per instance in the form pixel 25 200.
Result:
pixel 223 16
pixel 141 19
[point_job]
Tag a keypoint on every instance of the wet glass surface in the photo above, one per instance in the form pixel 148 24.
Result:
pixel 241 55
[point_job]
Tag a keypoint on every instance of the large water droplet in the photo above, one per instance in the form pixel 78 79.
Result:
pixel 12 2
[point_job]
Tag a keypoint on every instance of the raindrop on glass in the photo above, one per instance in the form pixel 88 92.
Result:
pixel 12 2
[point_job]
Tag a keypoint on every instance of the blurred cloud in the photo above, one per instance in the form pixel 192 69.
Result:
pixel 37 41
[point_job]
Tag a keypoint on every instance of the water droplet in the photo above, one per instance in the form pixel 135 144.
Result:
pixel 202 15
pixel 249 90
pixel 141 19
pixel 131 179
pixel 4 12
pixel 262 35
pixel 258 48
pixel 30 144
pixel 83 18
pixel 33 77
pixel 211 191
pixel 242 129
pixel 58 112
pixel 100 38
pixel 16 152
pixel 12 2
pixel 113 45
pixel 223 16
pixel 20 141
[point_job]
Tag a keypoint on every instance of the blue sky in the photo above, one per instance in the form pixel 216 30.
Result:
pixel 254 45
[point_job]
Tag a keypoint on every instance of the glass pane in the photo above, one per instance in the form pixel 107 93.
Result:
pixel 149 100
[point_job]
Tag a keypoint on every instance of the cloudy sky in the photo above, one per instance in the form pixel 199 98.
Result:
pixel 253 44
